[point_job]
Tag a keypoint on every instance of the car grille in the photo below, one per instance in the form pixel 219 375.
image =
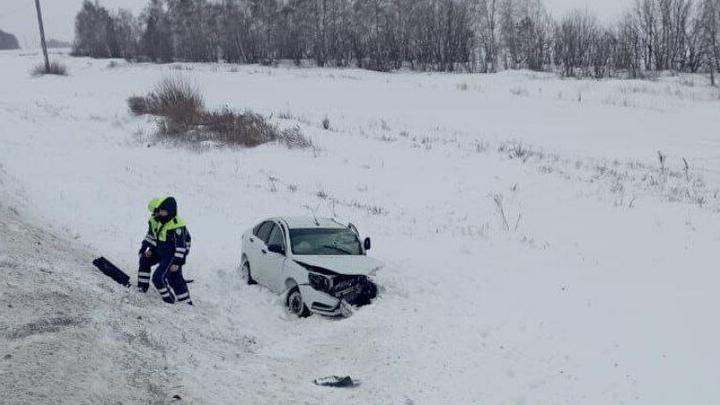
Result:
pixel 355 290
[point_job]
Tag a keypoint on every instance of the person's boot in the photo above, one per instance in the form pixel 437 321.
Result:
pixel 166 295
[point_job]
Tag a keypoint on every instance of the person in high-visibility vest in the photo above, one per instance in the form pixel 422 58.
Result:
pixel 167 245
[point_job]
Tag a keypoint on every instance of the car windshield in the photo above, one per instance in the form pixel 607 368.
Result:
pixel 323 241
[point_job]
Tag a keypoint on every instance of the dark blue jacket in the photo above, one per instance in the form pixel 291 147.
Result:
pixel 169 242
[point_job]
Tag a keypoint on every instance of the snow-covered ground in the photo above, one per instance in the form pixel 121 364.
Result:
pixel 601 289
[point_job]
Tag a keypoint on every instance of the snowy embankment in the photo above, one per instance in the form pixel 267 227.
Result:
pixel 598 286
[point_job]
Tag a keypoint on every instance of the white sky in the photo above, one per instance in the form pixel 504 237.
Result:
pixel 607 10
pixel 18 16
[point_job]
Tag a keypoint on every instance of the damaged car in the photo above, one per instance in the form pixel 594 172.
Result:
pixel 320 264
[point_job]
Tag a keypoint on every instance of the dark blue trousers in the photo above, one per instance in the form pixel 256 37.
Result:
pixel 163 279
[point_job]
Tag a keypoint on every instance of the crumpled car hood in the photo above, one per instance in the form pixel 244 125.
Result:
pixel 345 264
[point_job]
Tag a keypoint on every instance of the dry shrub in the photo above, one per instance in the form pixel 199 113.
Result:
pixel 294 138
pixel 56 68
pixel 246 129
pixel 138 105
pixel 183 117
pixel 176 99
pixel 519 91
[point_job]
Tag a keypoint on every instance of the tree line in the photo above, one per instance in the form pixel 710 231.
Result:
pixel 428 35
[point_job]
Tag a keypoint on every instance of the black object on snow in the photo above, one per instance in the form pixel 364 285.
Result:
pixel 112 271
pixel 335 381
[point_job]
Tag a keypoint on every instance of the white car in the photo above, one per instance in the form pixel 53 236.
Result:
pixel 320 263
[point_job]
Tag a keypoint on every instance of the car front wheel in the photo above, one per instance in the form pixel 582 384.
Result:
pixel 295 303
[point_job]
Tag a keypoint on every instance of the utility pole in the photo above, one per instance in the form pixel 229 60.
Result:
pixel 42 36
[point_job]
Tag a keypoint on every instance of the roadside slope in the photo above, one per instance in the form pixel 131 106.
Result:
pixel 64 338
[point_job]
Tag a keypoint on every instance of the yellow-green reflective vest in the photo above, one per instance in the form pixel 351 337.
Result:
pixel 160 230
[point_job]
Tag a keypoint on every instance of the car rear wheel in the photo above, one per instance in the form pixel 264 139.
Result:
pixel 247 274
pixel 295 303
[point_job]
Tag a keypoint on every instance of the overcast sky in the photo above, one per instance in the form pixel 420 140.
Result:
pixel 18 16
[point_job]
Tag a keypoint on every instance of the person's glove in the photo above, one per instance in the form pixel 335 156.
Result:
pixel 145 250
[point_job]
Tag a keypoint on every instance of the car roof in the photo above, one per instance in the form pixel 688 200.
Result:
pixel 310 222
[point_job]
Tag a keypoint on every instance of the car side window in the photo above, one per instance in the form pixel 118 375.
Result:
pixel 276 237
pixel 264 231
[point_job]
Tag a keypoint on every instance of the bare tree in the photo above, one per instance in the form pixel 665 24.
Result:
pixel 711 35
pixel 629 48
pixel 576 35
pixel 127 33
pixel 156 41
pixel 484 35
pixel 487 30
pixel 92 26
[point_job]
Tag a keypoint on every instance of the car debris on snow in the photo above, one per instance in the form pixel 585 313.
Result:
pixel 335 381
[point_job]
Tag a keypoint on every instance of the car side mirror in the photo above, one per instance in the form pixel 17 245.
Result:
pixel 366 244
pixel 275 248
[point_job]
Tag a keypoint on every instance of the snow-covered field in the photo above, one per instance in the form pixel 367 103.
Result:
pixel 601 289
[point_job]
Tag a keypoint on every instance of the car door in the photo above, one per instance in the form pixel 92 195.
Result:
pixel 274 263
pixel 254 252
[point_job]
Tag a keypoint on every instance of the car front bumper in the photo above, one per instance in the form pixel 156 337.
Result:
pixel 323 303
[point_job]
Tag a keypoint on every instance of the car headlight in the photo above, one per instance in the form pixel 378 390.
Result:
pixel 319 282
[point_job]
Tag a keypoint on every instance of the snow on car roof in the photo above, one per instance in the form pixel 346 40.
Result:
pixel 309 222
